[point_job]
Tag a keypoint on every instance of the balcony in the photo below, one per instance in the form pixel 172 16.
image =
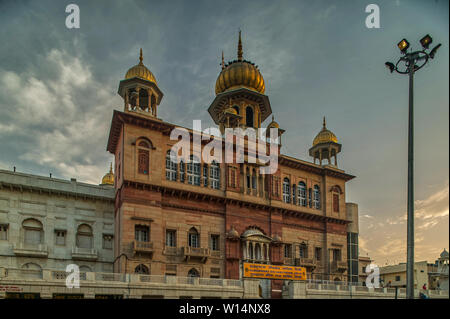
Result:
pixel 305 262
pixel 196 253
pixel 143 247
pixel 88 254
pixel 30 250
pixel 338 266
pixel 170 251
pixel 289 261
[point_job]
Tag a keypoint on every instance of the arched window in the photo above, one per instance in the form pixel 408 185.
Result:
pixel 143 99
pixel 33 232
pixel 286 190
pixel 193 273
pixel 133 97
pixel 193 238
pixel 250 253
pixel 249 116
pixel 143 157
pixel 32 270
pixel 141 269
pixel 303 250
pixel 236 108
pixel 316 198
pixel 248 178
pixel 205 175
pixel 85 269
pixel 142 233
pixel 182 170
pixel 294 192
pixel 84 236
pixel 215 175
pixel 302 194
pixel 254 178
pixel 193 171
pixel 171 168
pixel 31 266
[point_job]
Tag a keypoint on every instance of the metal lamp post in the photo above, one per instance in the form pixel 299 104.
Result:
pixel 409 63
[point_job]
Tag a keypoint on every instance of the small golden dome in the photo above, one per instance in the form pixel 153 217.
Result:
pixel 273 124
pixel 108 179
pixel 325 136
pixel 231 111
pixel 140 71
pixel 240 73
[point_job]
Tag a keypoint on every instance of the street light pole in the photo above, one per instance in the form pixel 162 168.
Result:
pixel 410 231
pixel 407 65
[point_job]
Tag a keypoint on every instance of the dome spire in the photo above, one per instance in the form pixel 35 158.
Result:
pixel 110 168
pixel 140 57
pixel 324 123
pixel 223 62
pixel 239 53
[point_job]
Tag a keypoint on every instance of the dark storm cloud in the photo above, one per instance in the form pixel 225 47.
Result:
pixel 58 86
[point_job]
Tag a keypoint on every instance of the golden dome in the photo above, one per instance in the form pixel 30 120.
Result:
pixel 231 110
pixel 273 124
pixel 325 136
pixel 140 71
pixel 108 179
pixel 240 73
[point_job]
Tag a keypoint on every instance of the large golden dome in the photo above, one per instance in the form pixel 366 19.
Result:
pixel 140 71
pixel 325 136
pixel 240 73
pixel 108 179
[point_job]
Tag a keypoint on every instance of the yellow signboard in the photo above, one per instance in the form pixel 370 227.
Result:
pixel 274 272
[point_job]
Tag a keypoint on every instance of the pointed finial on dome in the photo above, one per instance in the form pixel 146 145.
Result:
pixel 140 57
pixel 324 123
pixel 240 47
pixel 110 168
pixel 223 61
pixel 273 118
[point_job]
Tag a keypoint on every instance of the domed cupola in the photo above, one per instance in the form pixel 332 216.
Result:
pixel 108 179
pixel 140 71
pixel 325 146
pixel 140 91
pixel 240 85
pixel 240 73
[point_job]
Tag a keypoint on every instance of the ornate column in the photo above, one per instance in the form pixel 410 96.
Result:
pixel 137 97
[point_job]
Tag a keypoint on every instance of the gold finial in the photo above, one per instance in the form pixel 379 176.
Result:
pixel 324 123
pixel 240 47
pixel 223 62
pixel 140 57
pixel 110 168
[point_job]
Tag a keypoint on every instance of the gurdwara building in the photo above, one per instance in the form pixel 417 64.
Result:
pixel 205 219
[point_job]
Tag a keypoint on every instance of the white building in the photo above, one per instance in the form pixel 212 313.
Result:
pixel 48 223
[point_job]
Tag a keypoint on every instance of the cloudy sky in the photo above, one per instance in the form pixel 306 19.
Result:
pixel 58 89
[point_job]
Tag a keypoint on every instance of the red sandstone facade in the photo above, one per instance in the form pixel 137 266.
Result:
pixel 167 226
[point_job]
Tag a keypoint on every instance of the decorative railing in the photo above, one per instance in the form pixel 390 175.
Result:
pixel 33 250
pixel 173 251
pixel 84 253
pixel 305 262
pixel 340 266
pixel 143 246
pixel 289 261
pixel 24 273
pixel 196 252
